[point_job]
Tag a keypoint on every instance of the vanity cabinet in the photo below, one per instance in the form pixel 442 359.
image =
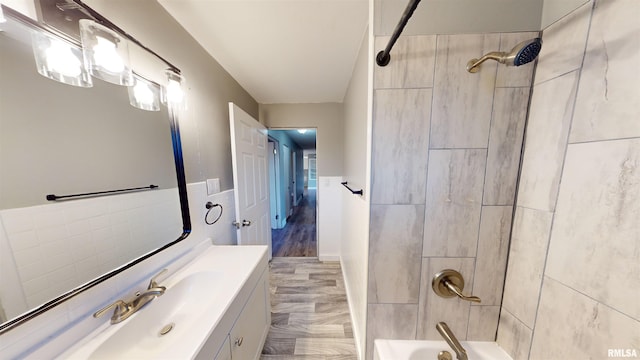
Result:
pixel 224 353
pixel 246 337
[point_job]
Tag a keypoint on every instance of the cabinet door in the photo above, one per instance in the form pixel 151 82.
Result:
pixel 225 351
pixel 250 331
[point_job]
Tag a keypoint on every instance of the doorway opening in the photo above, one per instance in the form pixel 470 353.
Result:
pixel 293 192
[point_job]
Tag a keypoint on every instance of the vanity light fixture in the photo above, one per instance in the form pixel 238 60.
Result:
pixel 2 18
pixel 106 53
pixel 172 93
pixel 59 60
pixel 302 131
pixel 144 94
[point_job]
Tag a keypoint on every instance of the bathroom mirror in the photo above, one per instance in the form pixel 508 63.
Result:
pixel 63 140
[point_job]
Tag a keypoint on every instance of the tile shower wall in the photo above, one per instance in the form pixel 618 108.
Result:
pixel 445 154
pixel 573 279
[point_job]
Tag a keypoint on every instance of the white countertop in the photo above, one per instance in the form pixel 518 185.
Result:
pixel 236 270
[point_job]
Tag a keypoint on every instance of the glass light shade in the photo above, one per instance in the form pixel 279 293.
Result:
pixel 59 60
pixel 106 53
pixel 172 93
pixel 2 18
pixel 144 94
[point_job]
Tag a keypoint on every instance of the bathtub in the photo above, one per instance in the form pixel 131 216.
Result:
pixel 428 350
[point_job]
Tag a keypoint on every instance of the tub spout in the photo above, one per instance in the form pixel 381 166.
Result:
pixel 450 338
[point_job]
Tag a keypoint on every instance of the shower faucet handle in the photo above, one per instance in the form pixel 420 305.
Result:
pixel 449 283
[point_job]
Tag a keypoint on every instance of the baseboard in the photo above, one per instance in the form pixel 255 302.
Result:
pixel 329 258
pixel 356 334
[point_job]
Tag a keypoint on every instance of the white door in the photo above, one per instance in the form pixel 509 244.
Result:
pixel 250 176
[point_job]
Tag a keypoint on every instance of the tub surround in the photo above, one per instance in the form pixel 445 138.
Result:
pixel 573 276
pixel 465 132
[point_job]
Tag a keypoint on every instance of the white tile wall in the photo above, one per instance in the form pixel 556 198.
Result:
pixel 608 107
pixel 446 150
pixel 57 329
pixel 59 246
pixel 577 297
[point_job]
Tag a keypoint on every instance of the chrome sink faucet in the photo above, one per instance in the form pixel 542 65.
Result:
pixel 122 310
pixel 451 339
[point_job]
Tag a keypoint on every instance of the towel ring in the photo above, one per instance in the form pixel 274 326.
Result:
pixel 209 205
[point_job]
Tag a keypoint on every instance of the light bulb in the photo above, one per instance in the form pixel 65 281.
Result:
pixel 60 59
pixel 106 55
pixel 143 94
pixel 174 92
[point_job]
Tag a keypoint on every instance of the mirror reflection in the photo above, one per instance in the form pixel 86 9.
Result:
pixel 60 139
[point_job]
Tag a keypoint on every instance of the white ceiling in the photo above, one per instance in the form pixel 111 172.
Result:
pixel 280 51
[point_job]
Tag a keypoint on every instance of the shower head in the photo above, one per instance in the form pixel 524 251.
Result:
pixel 523 53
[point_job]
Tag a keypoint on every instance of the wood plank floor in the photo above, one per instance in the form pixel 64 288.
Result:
pixel 298 237
pixel 309 312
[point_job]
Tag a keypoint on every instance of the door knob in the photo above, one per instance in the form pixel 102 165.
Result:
pixel 244 223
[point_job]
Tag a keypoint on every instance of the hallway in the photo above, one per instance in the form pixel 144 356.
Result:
pixel 309 312
pixel 298 237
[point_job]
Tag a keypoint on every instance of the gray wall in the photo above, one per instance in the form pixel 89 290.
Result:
pixel 326 117
pixel 355 209
pixel 445 155
pixel 61 139
pixel 573 279
pixel 204 125
pixel 471 16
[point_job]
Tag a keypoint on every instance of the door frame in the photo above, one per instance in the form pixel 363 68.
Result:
pixel 269 128
pixel 280 223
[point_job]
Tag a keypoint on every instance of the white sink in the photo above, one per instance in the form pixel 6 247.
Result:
pixel 180 306
pixel 202 300
pixel 420 350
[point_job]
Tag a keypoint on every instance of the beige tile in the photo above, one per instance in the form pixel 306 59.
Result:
pixel 399 146
pixel 433 308
pixel 292 307
pixel 320 346
pixel 515 337
pixel 462 101
pixel 390 321
pixel 318 318
pixel 607 106
pixel 308 357
pixel 454 201
pixel 527 255
pixel 294 331
pixel 573 326
pixel 412 63
pixel 491 259
pixel 546 141
pixel 395 253
pixel 483 323
pixel 595 243
pixel 515 76
pixel 505 145
pixel 563 45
